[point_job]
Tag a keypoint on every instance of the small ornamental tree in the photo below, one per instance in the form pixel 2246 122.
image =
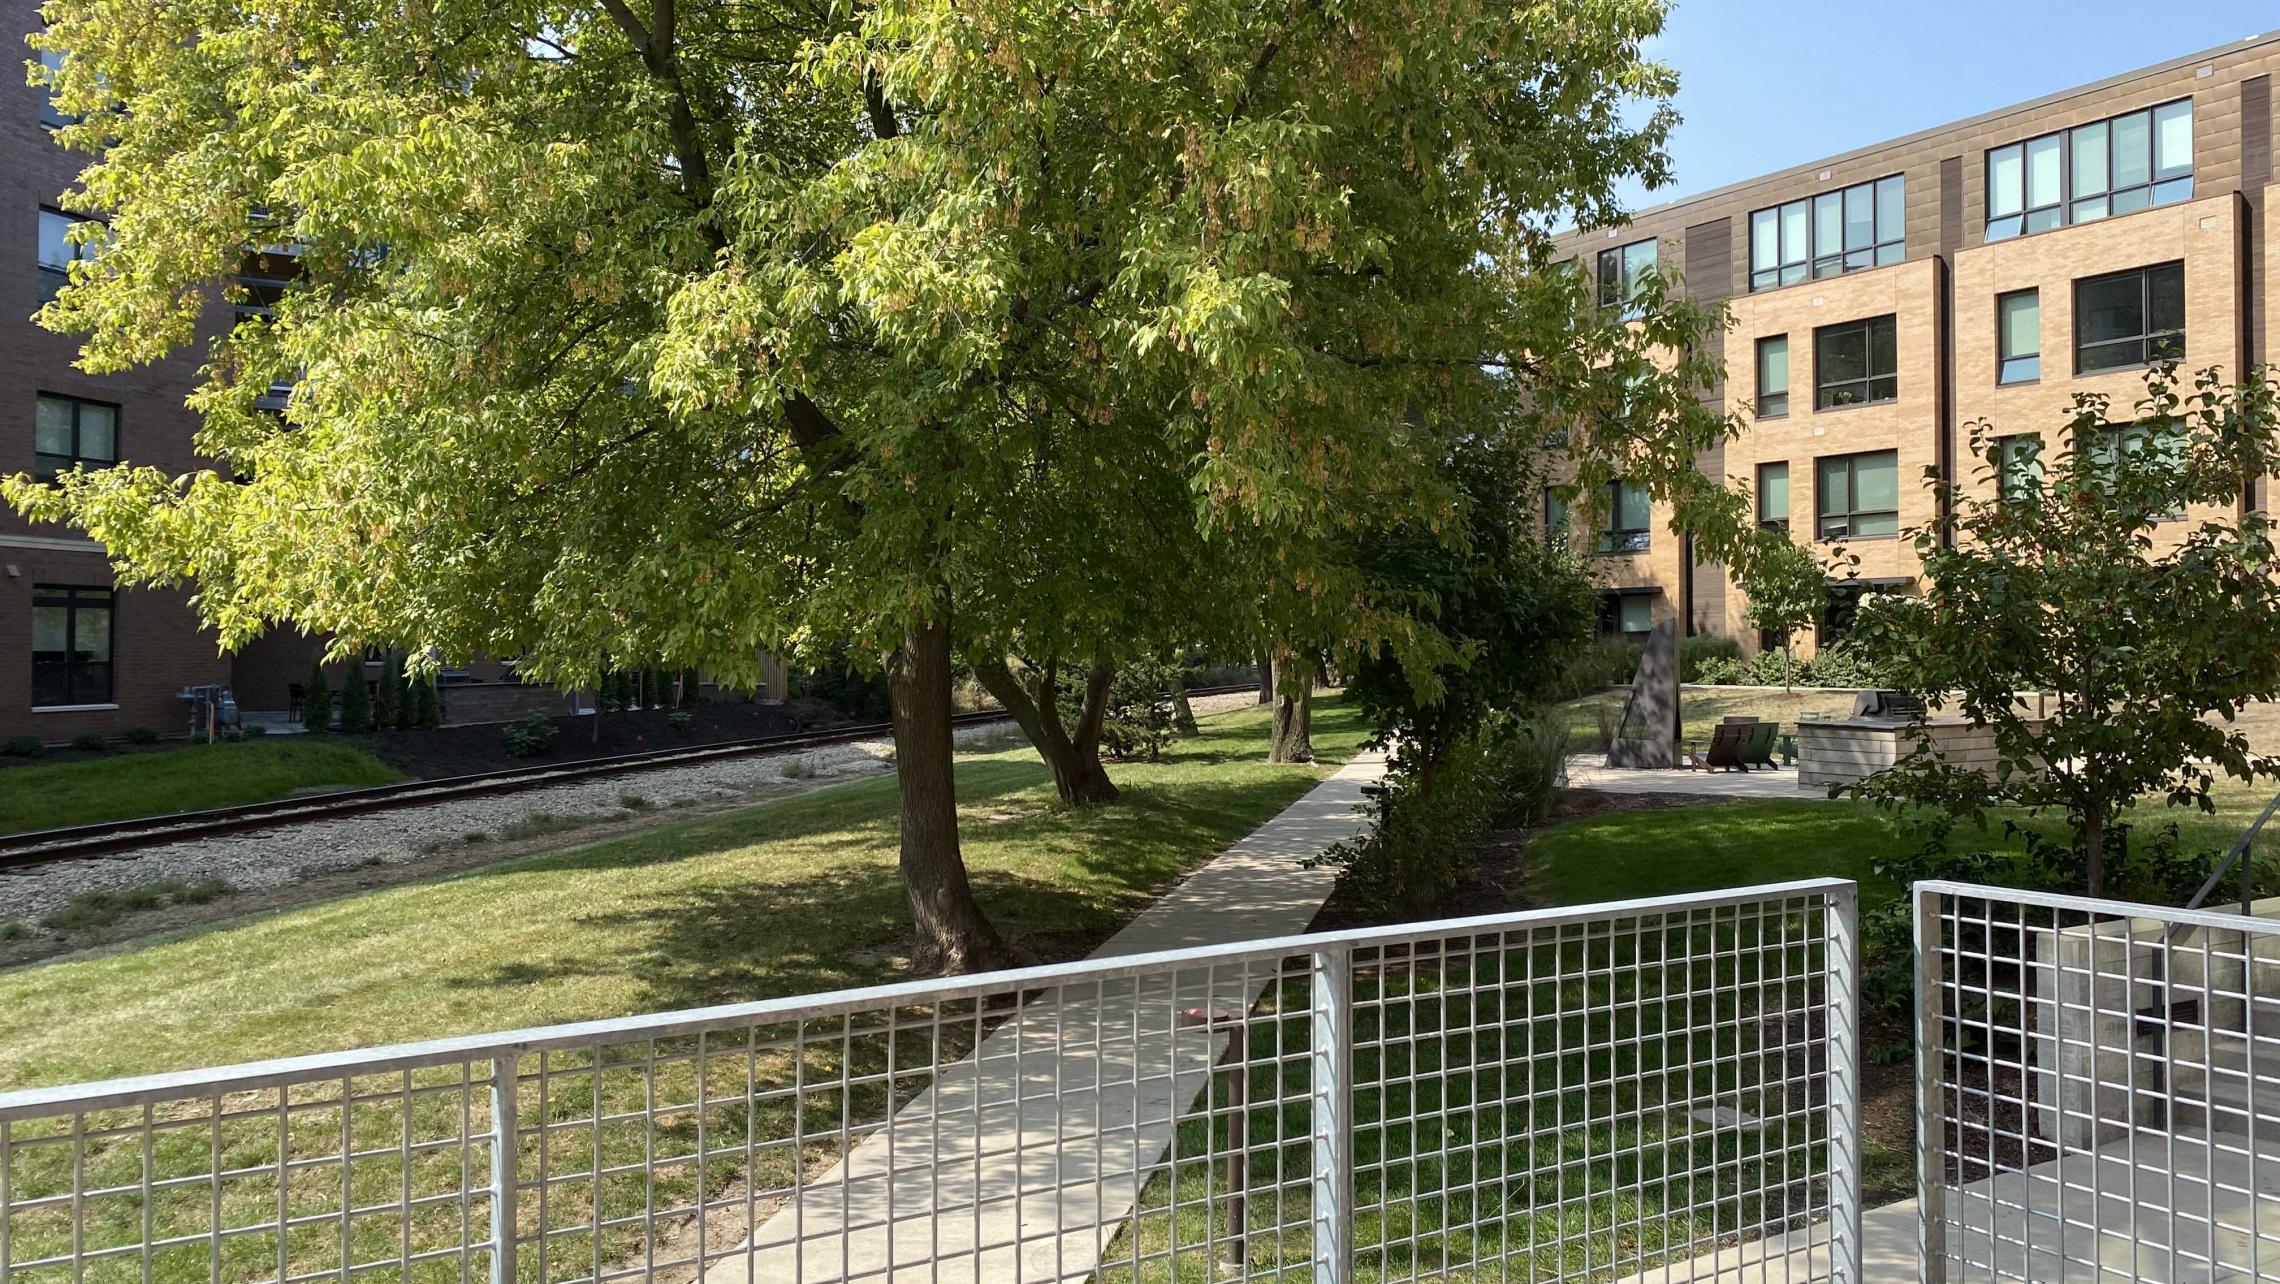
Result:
pixel 2117 572
pixel 316 699
pixel 1791 591
pixel 355 699
pixel 427 703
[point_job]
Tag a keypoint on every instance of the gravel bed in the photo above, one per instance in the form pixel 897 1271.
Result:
pixel 275 857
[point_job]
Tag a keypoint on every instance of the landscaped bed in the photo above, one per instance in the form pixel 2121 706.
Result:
pixel 429 754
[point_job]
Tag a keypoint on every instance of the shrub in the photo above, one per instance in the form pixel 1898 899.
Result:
pixel 90 742
pixel 355 699
pixel 1138 720
pixel 861 696
pixel 680 719
pixel 531 737
pixel 427 704
pixel 1598 665
pixel 388 701
pixel 252 729
pixel 316 700
pixel 140 735
pixel 1705 649
pixel 22 747
pixel 1421 842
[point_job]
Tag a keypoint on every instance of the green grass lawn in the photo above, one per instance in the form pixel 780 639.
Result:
pixel 786 897
pixel 1690 849
pixel 47 795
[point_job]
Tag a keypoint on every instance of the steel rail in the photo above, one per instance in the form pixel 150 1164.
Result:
pixel 32 849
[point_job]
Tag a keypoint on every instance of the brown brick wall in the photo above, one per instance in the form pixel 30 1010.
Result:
pixel 2225 236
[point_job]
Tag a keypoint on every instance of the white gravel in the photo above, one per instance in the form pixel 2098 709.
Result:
pixel 275 857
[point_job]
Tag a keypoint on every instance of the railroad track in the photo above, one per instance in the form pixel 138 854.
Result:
pixel 122 838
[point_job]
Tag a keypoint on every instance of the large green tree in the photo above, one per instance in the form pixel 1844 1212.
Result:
pixel 673 330
pixel 2114 571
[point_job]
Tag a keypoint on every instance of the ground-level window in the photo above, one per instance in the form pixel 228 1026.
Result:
pixel 71 645
pixel 1859 496
pixel 1627 615
pixel 1841 613
pixel 69 433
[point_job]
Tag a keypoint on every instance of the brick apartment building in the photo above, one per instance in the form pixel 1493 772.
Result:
pixel 1885 300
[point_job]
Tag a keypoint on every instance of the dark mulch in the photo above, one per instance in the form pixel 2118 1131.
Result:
pixel 1498 880
pixel 460 751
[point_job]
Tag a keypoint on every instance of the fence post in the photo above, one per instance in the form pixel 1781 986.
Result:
pixel 1332 988
pixel 505 1149
pixel 1844 1084
pixel 1931 1119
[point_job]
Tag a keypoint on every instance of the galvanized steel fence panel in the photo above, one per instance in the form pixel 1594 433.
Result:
pixel 1573 1094
pixel 2098 1089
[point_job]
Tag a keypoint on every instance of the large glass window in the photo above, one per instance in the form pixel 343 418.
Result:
pixel 71 645
pixel 1773 376
pixel 1859 496
pixel 1773 496
pixel 57 252
pixel 1627 615
pixel 1856 364
pixel 2018 337
pixel 68 433
pixel 2129 318
pixel 2092 171
pixel 1861 226
pixel 1627 518
pixel 2018 464
pixel 1620 272
pixel 1555 518
pixel 49 116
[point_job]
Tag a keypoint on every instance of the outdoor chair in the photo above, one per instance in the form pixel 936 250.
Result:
pixel 1757 747
pixel 1725 752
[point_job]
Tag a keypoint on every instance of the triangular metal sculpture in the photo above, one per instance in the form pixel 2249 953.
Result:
pixel 1648 734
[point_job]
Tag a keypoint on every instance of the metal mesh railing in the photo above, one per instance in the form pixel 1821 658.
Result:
pixel 2098 1089
pixel 1569 1094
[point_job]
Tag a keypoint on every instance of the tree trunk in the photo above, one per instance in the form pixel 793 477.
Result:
pixel 953 934
pixel 1294 710
pixel 2094 849
pixel 1183 713
pixel 1032 697
pixel 1266 679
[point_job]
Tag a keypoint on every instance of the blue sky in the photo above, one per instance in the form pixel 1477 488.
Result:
pixel 1766 84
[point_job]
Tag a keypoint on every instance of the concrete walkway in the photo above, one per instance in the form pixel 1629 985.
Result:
pixel 1024 1161
pixel 1590 771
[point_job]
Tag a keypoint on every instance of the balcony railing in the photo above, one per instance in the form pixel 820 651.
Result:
pixel 1580 1093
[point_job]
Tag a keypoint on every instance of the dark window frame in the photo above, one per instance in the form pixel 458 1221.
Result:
pixel 1814 261
pixel 2076 204
pixel 1615 540
pixel 2149 343
pixel 1618 280
pixel 1789 495
pixel 78 457
pixel 1850 517
pixel 1774 405
pixel 1611 613
pixel 53 279
pixel 1825 390
pixel 84 682
pixel 2004 358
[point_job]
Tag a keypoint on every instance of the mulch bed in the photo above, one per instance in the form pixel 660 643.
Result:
pixel 460 751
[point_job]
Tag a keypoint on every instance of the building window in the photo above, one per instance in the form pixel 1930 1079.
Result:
pixel 1773 376
pixel 1856 364
pixel 1859 496
pixel 2129 318
pixel 57 251
pixel 2018 464
pixel 2104 448
pixel 68 433
pixel 1630 616
pixel 71 645
pixel 2018 337
pixel 1626 521
pixel 2080 175
pixel 1621 270
pixel 49 116
pixel 1862 226
pixel 1773 496
pixel 1555 518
